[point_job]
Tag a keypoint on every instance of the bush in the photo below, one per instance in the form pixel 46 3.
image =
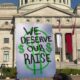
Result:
pixel 9 72
pixel 75 61
pixel 69 71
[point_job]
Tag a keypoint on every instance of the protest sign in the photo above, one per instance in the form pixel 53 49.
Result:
pixel 35 50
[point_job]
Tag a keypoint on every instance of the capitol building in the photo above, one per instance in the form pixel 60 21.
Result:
pixel 65 22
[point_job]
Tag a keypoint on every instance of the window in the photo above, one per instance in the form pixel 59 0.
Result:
pixel 28 20
pixel 21 2
pixel 64 1
pixel 60 1
pixel 32 0
pixel 48 20
pixel 47 0
pixel 37 20
pixel 6 56
pixel 58 43
pixel 6 23
pixel 79 54
pixel 54 1
pixel 26 1
pixel 67 1
pixel 6 40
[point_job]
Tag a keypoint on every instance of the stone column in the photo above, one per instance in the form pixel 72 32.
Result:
pixel 29 1
pixel 51 1
pixel 56 1
pixel 66 2
pixel 23 2
pixel 63 47
pixel 74 45
pixel 69 3
pixel 26 1
pixel 44 1
pixel 19 2
pixel 61 1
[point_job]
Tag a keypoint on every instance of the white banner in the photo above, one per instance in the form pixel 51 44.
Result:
pixel 35 50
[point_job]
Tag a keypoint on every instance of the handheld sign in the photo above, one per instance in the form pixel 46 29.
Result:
pixel 34 50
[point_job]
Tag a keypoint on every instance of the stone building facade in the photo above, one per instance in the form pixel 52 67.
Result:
pixel 64 20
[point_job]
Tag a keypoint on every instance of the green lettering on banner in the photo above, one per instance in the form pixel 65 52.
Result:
pixel 39 54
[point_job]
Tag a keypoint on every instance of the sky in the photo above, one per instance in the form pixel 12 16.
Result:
pixel 74 2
